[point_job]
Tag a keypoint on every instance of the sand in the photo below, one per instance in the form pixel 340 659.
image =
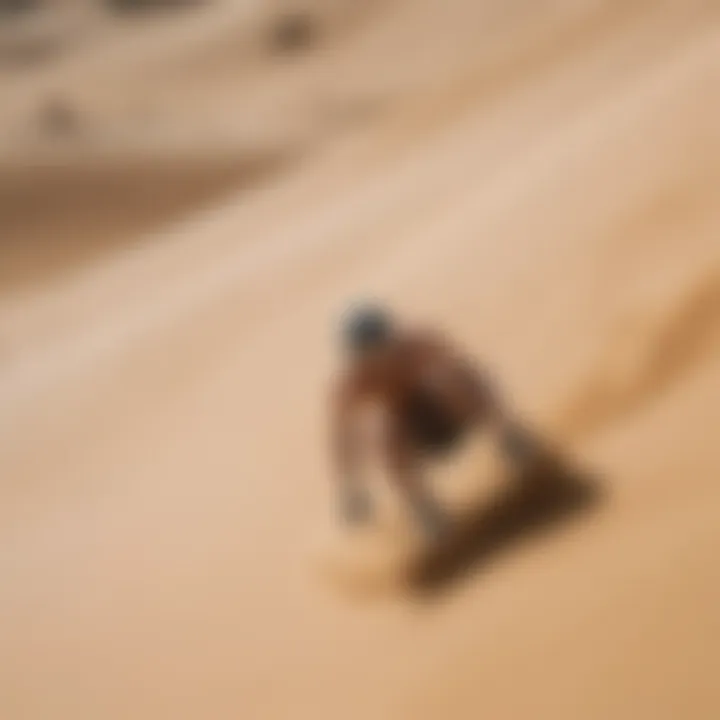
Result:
pixel 540 179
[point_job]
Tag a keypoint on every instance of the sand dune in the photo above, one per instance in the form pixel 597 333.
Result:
pixel 538 178
pixel 90 207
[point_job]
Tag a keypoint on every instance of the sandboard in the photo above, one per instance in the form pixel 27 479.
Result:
pixel 389 556
pixel 366 561
pixel 380 556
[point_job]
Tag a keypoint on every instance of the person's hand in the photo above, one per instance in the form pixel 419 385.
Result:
pixel 355 505
pixel 433 521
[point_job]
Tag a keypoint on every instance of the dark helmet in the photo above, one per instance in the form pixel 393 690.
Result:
pixel 366 327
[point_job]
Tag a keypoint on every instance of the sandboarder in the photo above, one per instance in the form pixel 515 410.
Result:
pixel 431 396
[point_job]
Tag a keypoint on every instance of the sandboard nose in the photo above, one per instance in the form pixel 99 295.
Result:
pixel 363 562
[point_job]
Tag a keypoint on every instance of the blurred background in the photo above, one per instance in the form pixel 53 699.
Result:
pixel 191 191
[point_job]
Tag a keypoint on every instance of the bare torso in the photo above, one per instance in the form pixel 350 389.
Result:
pixel 419 366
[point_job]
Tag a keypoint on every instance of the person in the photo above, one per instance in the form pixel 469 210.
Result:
pixel 432 397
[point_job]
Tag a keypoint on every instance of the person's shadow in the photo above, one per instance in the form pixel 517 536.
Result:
pixel 544 494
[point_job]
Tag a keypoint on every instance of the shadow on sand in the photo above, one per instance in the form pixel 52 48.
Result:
pixel 547 493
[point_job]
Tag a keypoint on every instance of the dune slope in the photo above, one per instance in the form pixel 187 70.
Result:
pixel 550 199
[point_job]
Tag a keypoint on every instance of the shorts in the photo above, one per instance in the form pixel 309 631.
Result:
pixel 432 429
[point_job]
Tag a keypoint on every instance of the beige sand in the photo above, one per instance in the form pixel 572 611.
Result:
pixel 541 178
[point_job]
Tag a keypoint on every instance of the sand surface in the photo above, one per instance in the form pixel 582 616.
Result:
pixel 539 178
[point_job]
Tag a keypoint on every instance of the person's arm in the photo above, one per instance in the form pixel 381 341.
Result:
pixel 353 498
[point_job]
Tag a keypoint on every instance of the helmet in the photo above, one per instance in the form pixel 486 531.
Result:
pixel 365 327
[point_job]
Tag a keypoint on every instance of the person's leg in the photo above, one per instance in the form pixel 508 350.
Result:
pixel 517 444
pixel 490 411
pixel 404 462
